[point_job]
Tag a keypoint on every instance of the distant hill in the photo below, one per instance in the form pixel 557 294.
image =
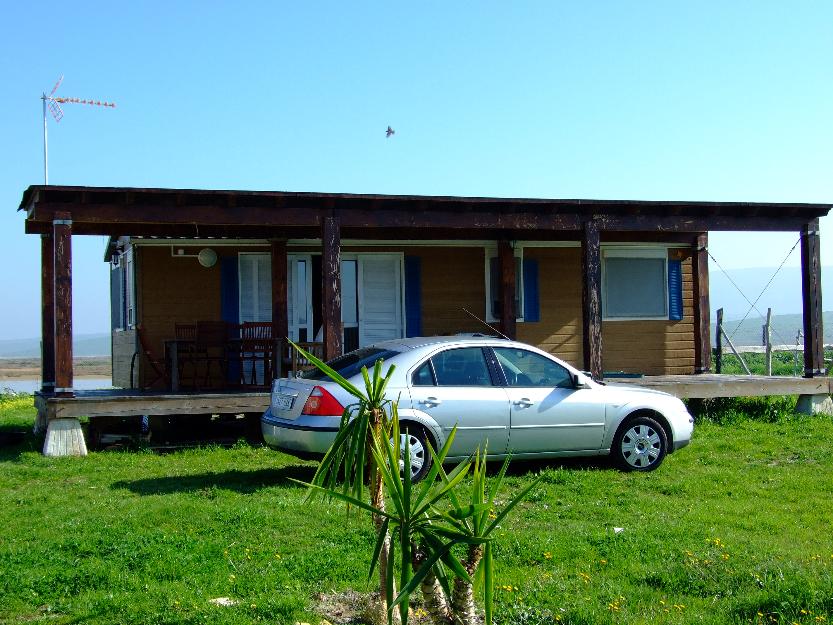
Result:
pixel 784 329
pixel 82 345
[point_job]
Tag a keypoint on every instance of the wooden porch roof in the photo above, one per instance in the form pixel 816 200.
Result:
pixel 118 211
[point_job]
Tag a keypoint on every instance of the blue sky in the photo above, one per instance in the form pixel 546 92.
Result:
pixel 638 100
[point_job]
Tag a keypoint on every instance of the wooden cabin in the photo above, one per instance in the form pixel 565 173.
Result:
pixel 609 286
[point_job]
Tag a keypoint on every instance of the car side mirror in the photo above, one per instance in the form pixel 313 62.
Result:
pixel 580 381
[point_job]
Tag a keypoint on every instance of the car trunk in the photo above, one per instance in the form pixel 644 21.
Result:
pixel 289 396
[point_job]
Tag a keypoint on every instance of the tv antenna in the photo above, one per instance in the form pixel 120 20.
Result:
pixel 53 103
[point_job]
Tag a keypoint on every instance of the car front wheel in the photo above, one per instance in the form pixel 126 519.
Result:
pixel 639 445
pixel 419 455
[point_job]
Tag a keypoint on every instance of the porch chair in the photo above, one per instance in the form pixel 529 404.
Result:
pixel 211 348
pixel 256 353
pixel 186 337
pixel 157 365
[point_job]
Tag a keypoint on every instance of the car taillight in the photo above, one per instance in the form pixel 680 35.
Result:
pixel 321 403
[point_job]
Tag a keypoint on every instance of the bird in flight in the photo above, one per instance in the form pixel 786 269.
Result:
pixel 389 132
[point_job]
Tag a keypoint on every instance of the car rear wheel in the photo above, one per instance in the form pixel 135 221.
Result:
pixel 416 440
pixel 639 445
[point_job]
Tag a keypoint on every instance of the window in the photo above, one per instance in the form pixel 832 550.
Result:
pixel 129 289
pixel 351 364
pixel 465 366
pixel 635 283
pixel 255 279
pixel 117 299
pixel 423 376
pixel 528 369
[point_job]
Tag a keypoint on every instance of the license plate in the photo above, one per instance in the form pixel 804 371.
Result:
pixel 284 401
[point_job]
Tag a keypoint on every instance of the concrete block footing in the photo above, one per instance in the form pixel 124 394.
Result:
pixel 814 404
pixel 41 423
pixel 64 437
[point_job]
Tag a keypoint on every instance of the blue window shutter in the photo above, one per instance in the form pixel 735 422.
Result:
pixel 675 290
pixel 229 290
pixel 413 296
pixel 532 308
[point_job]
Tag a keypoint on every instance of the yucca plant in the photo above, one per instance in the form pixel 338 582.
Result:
pixel 413 523
pixel 477 519
pixel 350 459
pixel 426 521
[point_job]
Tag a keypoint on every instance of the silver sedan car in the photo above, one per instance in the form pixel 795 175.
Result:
pixel 508 396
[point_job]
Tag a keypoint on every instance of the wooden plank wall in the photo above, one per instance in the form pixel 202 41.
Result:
pixel 180 289
pixel 170 290
pixel 649 347
pixel 452 279
pixel 559 287
pixel 124 345
pixel 654 347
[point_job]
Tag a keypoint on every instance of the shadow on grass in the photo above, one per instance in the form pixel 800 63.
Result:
pixel 243 482
pixel 14 444
pixel 521 468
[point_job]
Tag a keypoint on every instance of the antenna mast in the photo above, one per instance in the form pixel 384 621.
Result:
pixel 54 104
pixel 491 327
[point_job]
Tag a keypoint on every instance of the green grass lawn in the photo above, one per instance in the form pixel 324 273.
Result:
pixel 736 528
pixel 783 363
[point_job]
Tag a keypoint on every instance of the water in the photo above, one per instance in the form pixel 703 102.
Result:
pixel 30 386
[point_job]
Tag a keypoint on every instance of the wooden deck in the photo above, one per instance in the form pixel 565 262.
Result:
pixel 706 386
pixel 128 402
pixel 118 402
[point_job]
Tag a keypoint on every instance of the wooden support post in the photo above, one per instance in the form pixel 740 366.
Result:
pixel 592 299
pixel 508 315
pixel 47 259
pixel 62 284
pixel 702 338
pixel 811 297
pixel 280 304
pixel 768 340
pixel 331 287
pixel 718 342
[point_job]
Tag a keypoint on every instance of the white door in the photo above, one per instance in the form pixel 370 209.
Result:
pixel 299 297
pixel 255 303
pixel 380 298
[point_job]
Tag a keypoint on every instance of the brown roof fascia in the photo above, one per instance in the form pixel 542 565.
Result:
pixel 224 207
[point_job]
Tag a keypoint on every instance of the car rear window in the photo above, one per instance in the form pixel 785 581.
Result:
pixel 351 363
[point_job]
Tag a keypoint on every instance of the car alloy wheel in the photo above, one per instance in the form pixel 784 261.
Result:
pixel 413 437
pixel 640 445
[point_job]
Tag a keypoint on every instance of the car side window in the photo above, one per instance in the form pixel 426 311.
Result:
pixel 423 376
pixel 465 366
pixel 528 369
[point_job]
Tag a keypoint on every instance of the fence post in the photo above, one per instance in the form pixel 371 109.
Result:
pixel 768 340
pixel 718 339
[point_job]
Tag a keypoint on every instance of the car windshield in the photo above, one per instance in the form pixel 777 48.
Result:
pixel 351 363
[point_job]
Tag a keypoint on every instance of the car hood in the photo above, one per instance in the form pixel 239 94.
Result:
pixel 627 394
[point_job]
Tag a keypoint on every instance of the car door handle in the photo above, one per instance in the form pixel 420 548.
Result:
pixel 523 402
pixel 431 401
